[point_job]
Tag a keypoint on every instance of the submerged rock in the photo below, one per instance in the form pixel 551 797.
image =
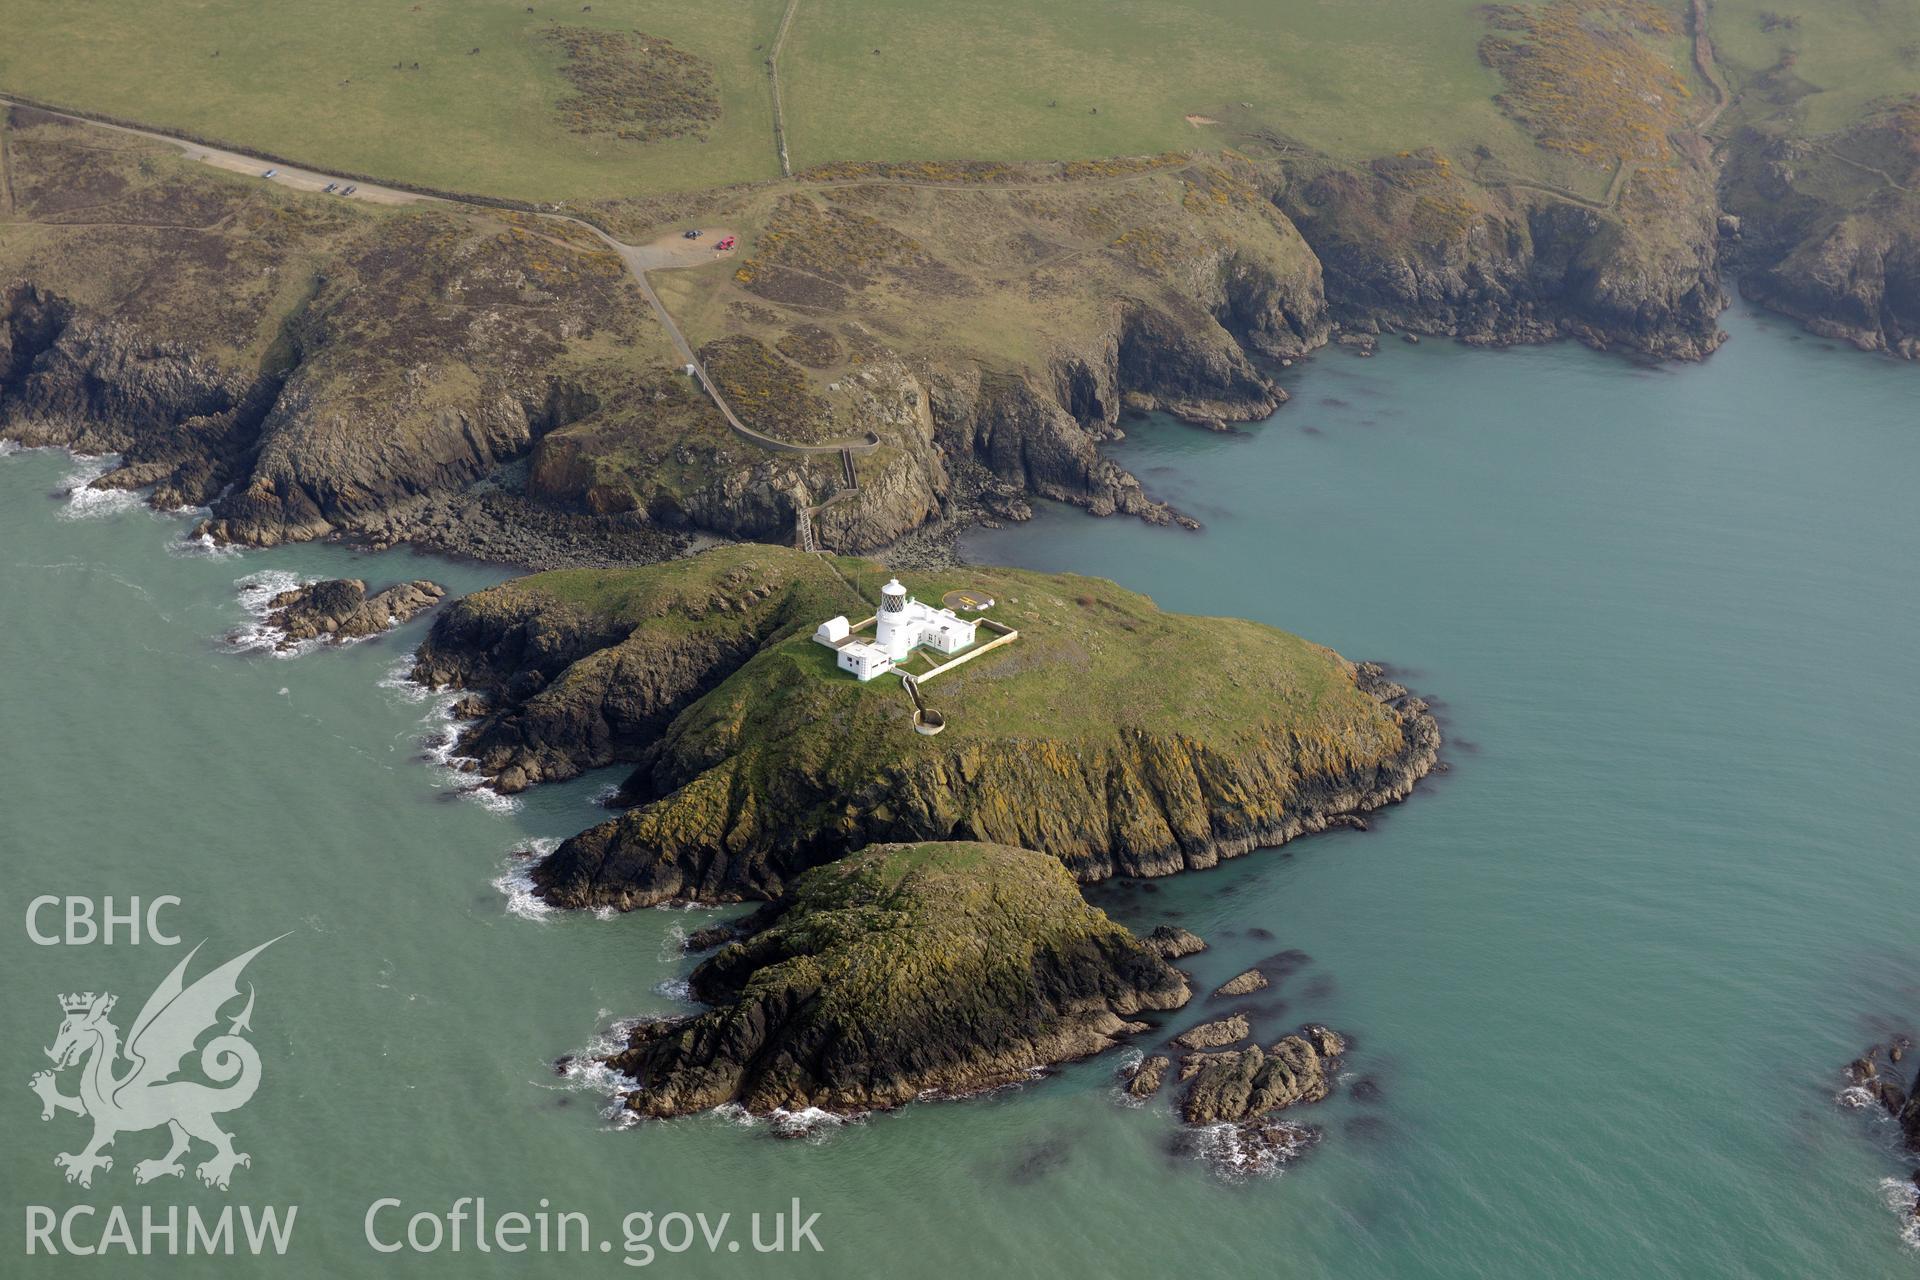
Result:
pixel 1243 984
pixel 899 970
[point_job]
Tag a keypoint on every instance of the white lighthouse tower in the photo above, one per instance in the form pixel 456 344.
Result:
pixel 893 634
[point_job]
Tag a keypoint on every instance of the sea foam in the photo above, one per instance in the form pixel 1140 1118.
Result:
pixel 256 592
pixel 87 503
pixel 516 884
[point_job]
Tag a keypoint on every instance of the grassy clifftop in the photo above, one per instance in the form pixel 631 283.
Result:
pixel 899 969
pixel 1114 736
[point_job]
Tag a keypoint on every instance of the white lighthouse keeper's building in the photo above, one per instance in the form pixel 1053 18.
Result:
pixel 902 625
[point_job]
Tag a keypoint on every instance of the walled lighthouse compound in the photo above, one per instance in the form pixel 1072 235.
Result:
pixel 902 625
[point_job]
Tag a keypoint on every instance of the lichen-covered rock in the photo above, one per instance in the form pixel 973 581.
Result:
pixel 1244 1085
pixel 902 969
pixel 1214 1035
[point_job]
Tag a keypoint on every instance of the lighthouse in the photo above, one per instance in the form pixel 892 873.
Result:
pixel 902 625
pixel 893 635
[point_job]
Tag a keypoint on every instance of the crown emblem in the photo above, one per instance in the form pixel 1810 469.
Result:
pixel 81 1001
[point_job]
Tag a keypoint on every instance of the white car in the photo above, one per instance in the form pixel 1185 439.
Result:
pixel 270 173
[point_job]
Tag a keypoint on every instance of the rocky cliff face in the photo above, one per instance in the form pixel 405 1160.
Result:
pixel 307 372
pixel 1828 230
pixel 569 679
pixel 1412 244
pixel 900 970
pixel 1150 804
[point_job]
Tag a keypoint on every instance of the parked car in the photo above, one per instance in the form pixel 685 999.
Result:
pixel 349 191
pixel 270 173
pixel 691 233
pixel 333 186
pixel 725 244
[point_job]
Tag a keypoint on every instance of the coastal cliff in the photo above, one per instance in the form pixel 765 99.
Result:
pixel 489 382
pixel 1095 736
pixel 1827 230
pixel 899 970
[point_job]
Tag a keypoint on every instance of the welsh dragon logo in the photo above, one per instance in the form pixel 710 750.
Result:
pixel 146 1094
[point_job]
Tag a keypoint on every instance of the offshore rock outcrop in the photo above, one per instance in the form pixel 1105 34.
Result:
pixel 899 971
pixel 1237 1087
pixel 339 609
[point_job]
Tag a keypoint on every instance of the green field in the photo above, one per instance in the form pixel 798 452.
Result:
pixel 317 81
pixel 1352 77
pixel 1846 53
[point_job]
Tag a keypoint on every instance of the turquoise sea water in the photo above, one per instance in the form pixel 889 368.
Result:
pixel 1600 976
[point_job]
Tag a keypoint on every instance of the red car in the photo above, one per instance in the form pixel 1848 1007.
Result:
pixel 726 243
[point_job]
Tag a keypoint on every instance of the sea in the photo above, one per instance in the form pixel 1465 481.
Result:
pixel 1601 976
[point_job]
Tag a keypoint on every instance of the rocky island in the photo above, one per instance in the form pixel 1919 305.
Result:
pixel 339 609
pixel 1118 738
pixel 923 931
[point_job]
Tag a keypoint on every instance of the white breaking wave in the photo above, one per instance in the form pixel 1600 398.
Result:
pixel 1902 1198
pixel 440 742
pixel 204 545
pixel 1236 1152
pixel 517 882
pixel 399 678
pixel 678 990
pixel 809 1122
pixel 85 502
pixel 589 1072
pixel 1128 1062
pixel 256 593
pixel 1856 1096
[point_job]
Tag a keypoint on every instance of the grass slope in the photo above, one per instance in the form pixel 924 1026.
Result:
pixel 1840 56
